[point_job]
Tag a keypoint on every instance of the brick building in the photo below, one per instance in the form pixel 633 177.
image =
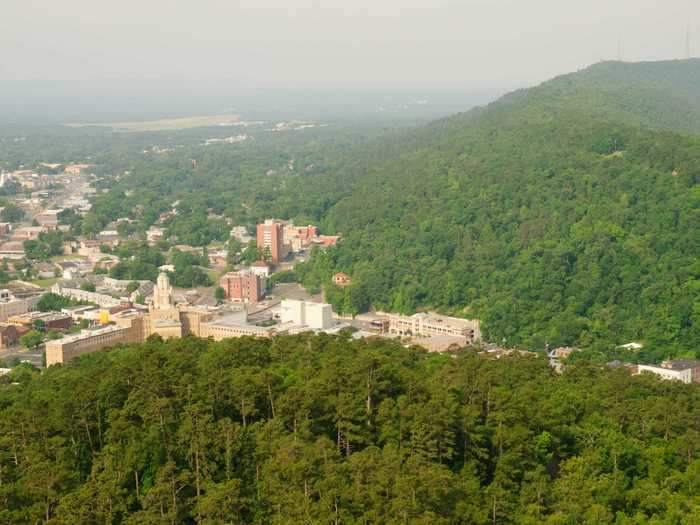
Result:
pixel 243 285
pixel 50 320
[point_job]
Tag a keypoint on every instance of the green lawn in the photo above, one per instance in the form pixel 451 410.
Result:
pixel 45 283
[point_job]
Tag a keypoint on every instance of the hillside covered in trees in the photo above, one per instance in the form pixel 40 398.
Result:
pixel 322 429
pixel 568 213
pixel 660 95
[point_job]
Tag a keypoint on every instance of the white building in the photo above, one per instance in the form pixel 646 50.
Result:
pixel 431 324
pixel 685 370
pixel 632 346
pixel 261 269
pixel 686 375
pixel 103 300
pixel 318 316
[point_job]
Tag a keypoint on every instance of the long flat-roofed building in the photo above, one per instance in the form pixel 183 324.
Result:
pixel 60 351
pixel 48 219
pixel 428 324
pixel 235 326
pixel 101 299
pixel 685 370
pixel 51 320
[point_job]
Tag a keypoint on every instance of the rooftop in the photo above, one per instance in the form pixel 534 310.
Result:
pixel 44 316
pixel 78 308
pixel 437 318
pixel 234 321
pixel 680 364
pixel 163 323
pixel 90 332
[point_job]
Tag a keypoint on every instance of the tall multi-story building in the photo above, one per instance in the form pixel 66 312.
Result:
pixel 270 236
pixel 243 285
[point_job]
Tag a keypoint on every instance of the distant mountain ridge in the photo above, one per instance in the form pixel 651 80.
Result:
pixel 662 95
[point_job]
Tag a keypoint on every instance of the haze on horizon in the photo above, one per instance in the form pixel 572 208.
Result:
pixel 331 46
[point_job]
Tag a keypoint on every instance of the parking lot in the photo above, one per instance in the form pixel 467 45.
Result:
pixel 21 354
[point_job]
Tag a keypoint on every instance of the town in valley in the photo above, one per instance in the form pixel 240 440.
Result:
pixel 59 307
pixel 56 306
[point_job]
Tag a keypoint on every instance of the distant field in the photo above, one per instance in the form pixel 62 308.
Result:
pixel 166 124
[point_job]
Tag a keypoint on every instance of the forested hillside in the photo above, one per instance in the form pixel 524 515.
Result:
pixel 563 214
pixel 661 95
pixel 321 429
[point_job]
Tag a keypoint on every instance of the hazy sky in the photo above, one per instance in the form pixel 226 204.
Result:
pixel 336 44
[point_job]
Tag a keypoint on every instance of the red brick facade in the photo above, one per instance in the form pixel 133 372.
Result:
pixel 242 286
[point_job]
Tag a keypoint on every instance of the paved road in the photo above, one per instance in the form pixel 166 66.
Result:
pixel 58 200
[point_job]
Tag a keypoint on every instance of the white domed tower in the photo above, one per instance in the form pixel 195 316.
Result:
pixel 164 315
pixel 163 293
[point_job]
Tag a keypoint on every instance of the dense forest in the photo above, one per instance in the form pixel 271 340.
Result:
pixel 327 429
